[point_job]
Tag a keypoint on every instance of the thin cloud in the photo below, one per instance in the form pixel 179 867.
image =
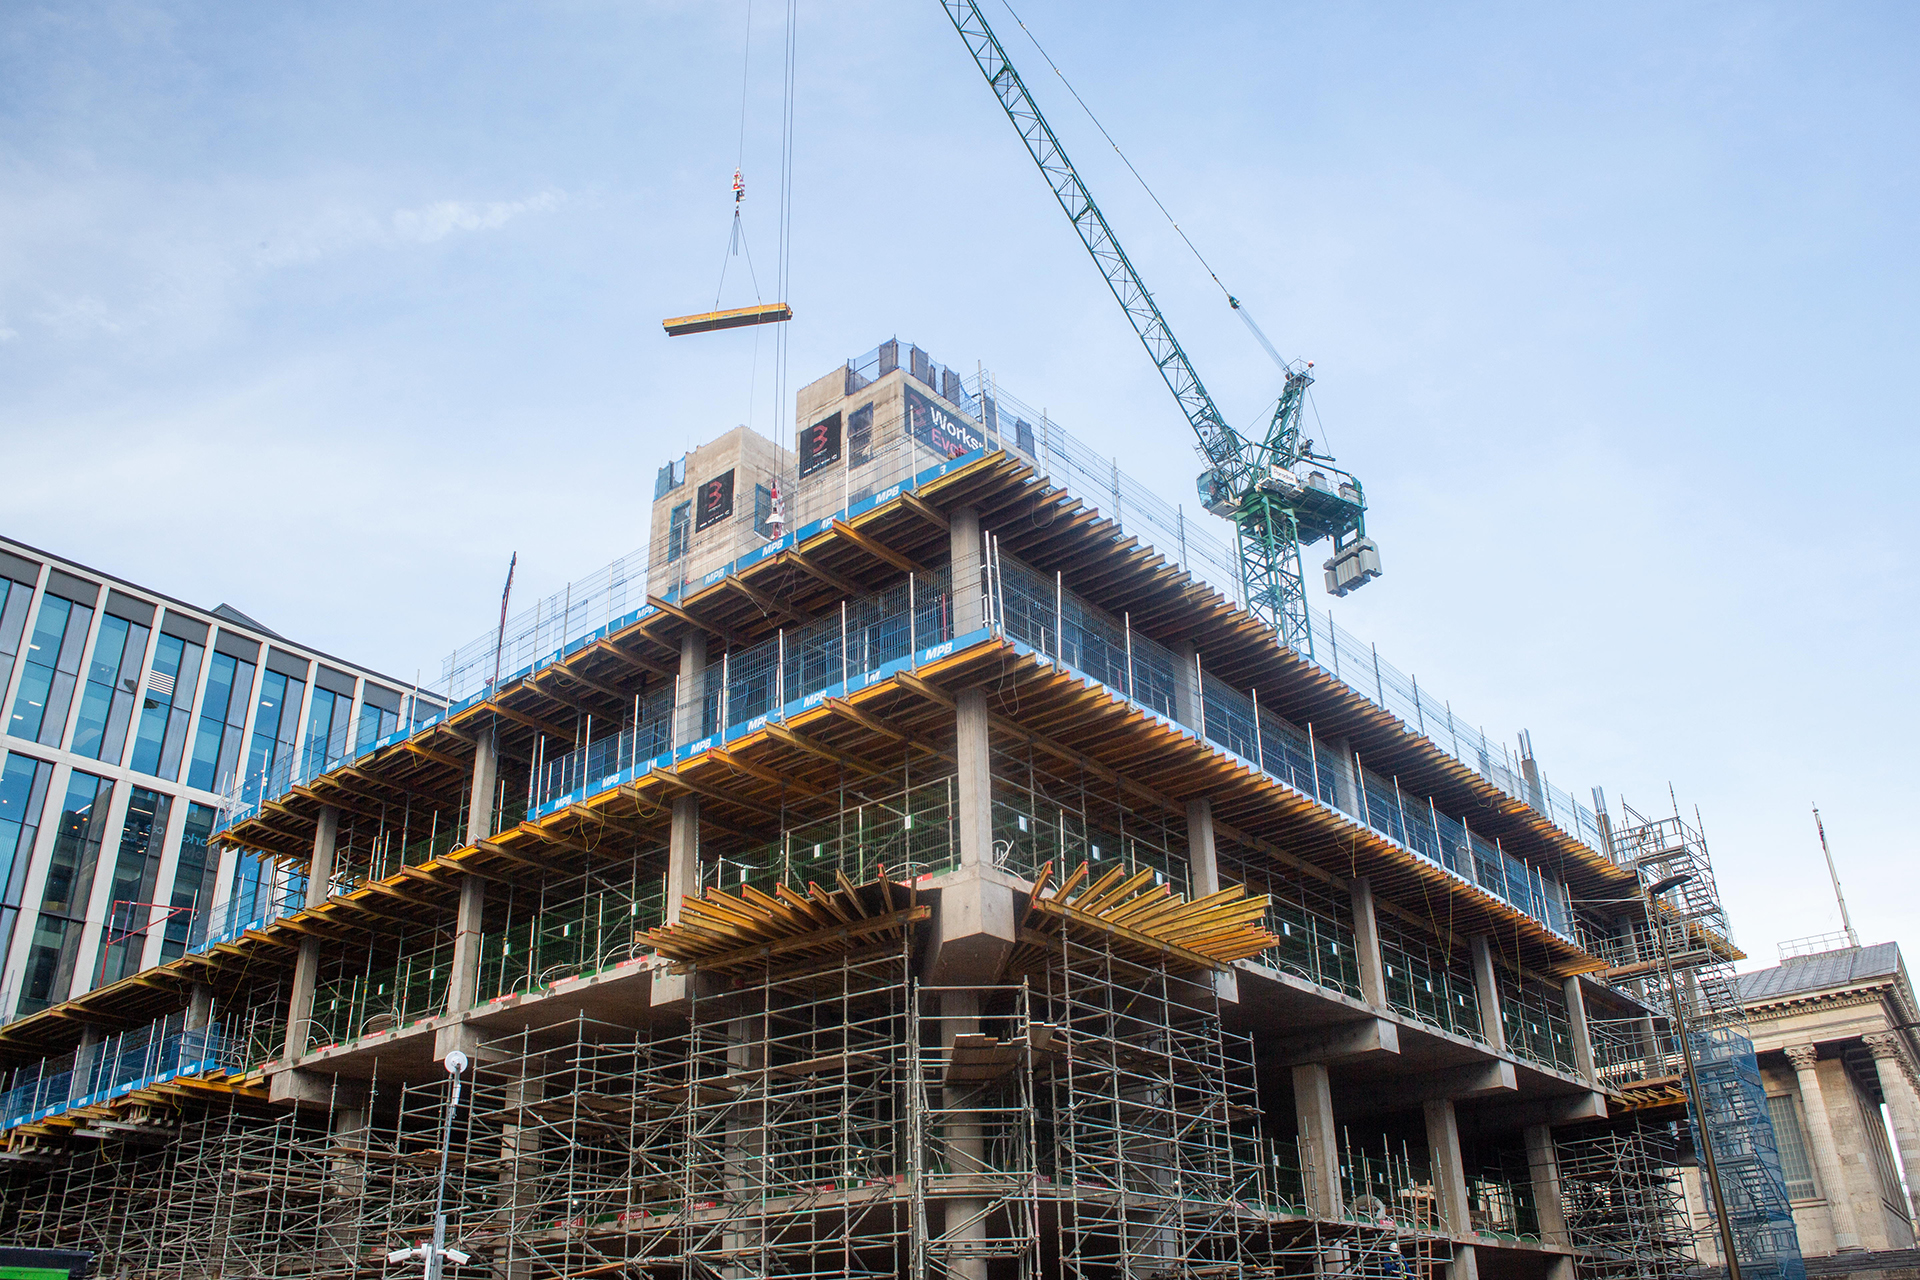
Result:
pixel 439 220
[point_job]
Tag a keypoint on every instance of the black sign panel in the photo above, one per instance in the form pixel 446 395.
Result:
pixel 715 503
pixel 819 444
pixel 940 428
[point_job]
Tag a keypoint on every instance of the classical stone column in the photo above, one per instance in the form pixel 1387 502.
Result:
pixel 1826 1153
pixel 1896 1083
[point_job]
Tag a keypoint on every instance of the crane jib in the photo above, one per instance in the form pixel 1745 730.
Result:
pixel 1251 484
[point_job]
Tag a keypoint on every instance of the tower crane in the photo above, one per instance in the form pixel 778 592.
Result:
pixel 1256 483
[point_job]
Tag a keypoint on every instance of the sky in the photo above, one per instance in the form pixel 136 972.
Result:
pixel 326 310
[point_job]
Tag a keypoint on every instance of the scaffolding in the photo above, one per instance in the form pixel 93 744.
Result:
pixel 1625 1212
pixel 1676 961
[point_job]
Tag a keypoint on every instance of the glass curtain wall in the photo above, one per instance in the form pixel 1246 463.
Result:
pixel 162 737
pixel 136 875
pixel 63 901
pixel 376 720
pixel 23 794
pixel 106 705
pixel 276 727
pixel 51 672
pixel 15 599
pixel 329 720
pixel 195 875
pixel 223 719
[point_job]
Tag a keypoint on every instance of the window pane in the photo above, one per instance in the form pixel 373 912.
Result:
pixel 23 793
pixel 196 870
pixel 52 670
pixel 63 902
pixel 162 736
pixel 1784 1110
pixel 106 705
pixel 136 870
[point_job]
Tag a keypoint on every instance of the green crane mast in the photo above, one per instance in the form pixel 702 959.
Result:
pixel 1254 483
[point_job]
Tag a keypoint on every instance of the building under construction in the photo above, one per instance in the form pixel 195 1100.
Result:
pixel 911 864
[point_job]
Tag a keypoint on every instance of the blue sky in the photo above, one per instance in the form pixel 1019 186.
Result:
pixel 324 310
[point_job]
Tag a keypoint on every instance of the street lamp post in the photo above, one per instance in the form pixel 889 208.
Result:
pixel 1653 892
pixel 436 1254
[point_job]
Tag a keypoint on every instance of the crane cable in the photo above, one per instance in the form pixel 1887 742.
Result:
pixel 1239 307
pixel 737 236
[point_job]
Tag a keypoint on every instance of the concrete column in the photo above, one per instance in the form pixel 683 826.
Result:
pixel 346 1186
pixel 320 872
pixel 1896 1084
pixel 1579 1029
pixel 683 855
pixel 966 1145
pixel 1544 1166
pixel 1655 1058
pixel 1366 944
pixel 1449 1169
pixel 1186 686
pixel 79 1084
pixel 520 1158
pixel 1202 856
pixel 975 783
pixel 306 969
pixel 463 980
pixel 690 693
pixel 485 781
pixel 968 555
pixel 683 845
pixel 1319 1139
pixel 746 1149
pixel 1826 1153
pixel 199 1006
pixel 1486 986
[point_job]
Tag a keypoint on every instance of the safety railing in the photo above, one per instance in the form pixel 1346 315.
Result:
pixel 911 833
pixel 1534 1015
pixel 352 1004
pixel 117 1065
pixel 1041 613
pixel 575 927
pixel 1630 1051
pixel 782 675
pixel 1427 981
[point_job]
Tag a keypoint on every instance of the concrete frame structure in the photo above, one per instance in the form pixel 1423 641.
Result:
pixel 757 913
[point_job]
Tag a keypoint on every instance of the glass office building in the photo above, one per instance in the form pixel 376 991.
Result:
pixel 127 719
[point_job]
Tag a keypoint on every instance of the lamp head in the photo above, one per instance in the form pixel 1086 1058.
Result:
pixel 1665 883
pixel 456 1062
